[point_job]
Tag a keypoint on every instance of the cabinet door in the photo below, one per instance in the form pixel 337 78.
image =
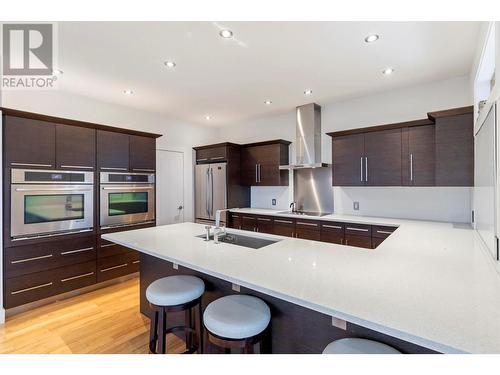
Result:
pixel 284 227
pixel 112 151
pixel 75 147
pixel 455 151
pixel 419 157
pixel 248 222
pixel 248 166
pixel 142 154
pixel 382 163
pixel 211 155
pixel 332 232
pixel 29 143
pixel 307 229
pixel 358 241
pixel 234 221
pixel 347 152
pixel 265 224
pixel 271 175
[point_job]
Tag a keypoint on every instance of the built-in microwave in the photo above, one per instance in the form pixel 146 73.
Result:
pixel 50 202
pixel 126 198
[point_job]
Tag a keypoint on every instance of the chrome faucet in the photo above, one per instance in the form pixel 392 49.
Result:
pixel 293 206
pixel 218 230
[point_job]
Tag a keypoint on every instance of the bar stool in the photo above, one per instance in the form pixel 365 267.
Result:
pixel 358 346
pixel 237 321
pixel 172 294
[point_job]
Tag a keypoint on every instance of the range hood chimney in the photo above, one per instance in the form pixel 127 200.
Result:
pixel 308 138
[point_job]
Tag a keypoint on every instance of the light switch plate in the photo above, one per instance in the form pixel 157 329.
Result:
pixel 175 265
pixel 355 206
pixel 235 287
pixel 339 323
pixel 273 202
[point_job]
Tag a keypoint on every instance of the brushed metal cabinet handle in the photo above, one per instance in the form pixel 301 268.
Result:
pixel 114 267
pixel 77 277
pixel 143 169
pixel 31 165
pixel 77 251
pixel 332 226
pixel 31 259
pixel 263 219
pixel 366 169
pixel 136 261
pixel 108 245
pixel 283 221
pixel 77 166
pixel 31 288
pixel 411 167
pixel 357 229
pixel 361 168
pixel 217 158
pixel 203 159
pixel 256 172
pixel 384 232
pixel 310 224
pixel 114 169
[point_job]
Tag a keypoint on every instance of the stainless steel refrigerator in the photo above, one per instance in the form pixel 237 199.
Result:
pixel 210 191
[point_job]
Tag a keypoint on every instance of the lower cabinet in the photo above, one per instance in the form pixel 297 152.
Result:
pixel 351 234
pixel 116 266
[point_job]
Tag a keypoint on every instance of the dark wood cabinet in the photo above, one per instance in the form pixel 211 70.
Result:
pixel 248 222
pixel 75 147
pixel 234 221
pixel 347 160
pixel 260 163
pixel 112 151
pixel 284 226
pixel 265 224
pixel 358 241
pixel 142 154
pixel 212 153
pixel 308 229
pixel 455 150
pixel 29 143
pixel 116 266
pixel 382 159
pixel 419 155
pixel 332 232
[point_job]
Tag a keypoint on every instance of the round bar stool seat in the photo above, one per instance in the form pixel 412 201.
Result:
pixel 175 290
pixel 236 321
pixel 358 346
pixel 173 294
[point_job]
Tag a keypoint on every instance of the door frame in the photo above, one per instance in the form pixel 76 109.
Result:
pixel 182 153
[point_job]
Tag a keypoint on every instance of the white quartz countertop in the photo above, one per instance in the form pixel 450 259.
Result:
pixel 429 283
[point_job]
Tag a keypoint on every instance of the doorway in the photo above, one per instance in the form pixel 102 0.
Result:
pixel 169 187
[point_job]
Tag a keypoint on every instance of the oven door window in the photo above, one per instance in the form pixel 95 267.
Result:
pixel 49 208
pixel 127 203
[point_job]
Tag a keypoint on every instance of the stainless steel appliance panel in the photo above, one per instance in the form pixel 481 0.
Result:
pixel 210 190
pixel 202 177
pixel 218 189
pixel 312 189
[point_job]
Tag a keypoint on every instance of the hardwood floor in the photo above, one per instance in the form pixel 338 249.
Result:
pixel 103 321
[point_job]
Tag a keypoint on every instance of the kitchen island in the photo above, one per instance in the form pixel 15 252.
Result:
pixel 428 287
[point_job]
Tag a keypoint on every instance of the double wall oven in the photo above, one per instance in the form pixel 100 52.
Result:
pixel 126 199
pixel 50 202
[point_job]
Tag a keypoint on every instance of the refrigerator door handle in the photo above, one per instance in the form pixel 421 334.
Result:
pixel 207 192
pixel 211 192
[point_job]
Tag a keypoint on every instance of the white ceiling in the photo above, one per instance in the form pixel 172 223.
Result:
pixel 231 78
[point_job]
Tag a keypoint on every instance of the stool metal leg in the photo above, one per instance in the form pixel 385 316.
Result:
pixel 189 322
pixel 200 335
pixel 162 344
pixel 153 332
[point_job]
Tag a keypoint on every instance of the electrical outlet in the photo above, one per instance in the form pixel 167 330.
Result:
pixel 235 287
pixel 273 202
pixel 355 206
pixel 175 266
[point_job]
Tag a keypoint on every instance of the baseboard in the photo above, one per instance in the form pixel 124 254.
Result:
pixel 2 315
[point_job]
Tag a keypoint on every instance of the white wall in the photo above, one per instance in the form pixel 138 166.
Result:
pixel 405 104
pixel 177 135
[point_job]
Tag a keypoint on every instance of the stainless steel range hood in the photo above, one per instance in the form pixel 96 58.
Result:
pixel 308 138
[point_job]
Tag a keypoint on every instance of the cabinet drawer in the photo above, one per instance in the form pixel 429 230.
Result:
pixel 380 231
pixel 76 276
pixel 29 288
pixel 332 226
pixel 116 266
pixel 376 242
pixel 248 222
pixel 284 227
pixel 265 224
pixel 234 221
pixel 23 260
pixel 358 241
pixel 107 249
pixel 358 229
pixel 332 237
pixel 307 224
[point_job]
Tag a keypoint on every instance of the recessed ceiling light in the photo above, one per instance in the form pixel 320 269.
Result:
pixel 308 92
pixel 226 33
pixel 387 71
pixel 170 64
pixel 57 72
pixel 372 38
pixel 128 92
pixel 268 102
pixel 207 117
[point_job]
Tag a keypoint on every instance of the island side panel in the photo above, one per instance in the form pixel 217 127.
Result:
pixel 295 329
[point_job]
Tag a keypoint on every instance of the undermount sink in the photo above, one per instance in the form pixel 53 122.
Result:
pixel 241 240
pixel 305 213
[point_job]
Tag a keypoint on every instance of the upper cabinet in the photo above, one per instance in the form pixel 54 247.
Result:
pixel 454 148
pixel 260 163
pixel 112 151
pixel 212 153
pixel 75 147
pixel 437 151
pixel 29 143
pixel 142 154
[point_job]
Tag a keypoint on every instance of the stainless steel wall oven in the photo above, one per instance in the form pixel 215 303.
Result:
pixel 49 202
